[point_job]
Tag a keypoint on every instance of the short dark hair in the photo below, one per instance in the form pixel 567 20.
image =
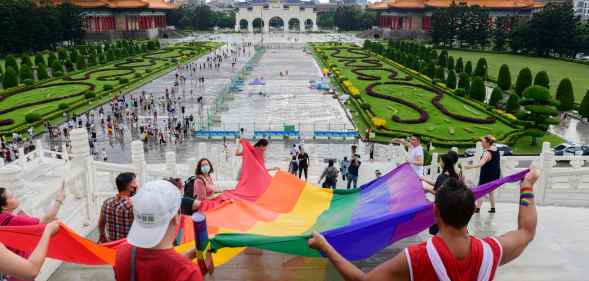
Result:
pixel 261 142
pixel 123 180
pixel 2 197
pixel 330 162
pixel 198 170
pixel 455 202
pixel 418 137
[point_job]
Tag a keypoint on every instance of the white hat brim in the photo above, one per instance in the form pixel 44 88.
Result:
pixel 146 237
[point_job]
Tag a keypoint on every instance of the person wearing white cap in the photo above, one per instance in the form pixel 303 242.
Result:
pixel 149 254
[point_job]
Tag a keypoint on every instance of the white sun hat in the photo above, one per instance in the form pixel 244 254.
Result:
pixel 154 205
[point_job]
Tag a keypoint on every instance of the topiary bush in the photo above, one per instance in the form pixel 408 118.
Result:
pixel 123 80
pixel 524 80
pixel 148 70
pixel 26 60
pixel 463 80
pixel 542 79
pixel 460 92
pixel 504 78
pixel 39 59
pixel 450 65
pixel 28 82
pixel 26 72
pixel 440 75
pixel 451 79
pixel 80 62
pixel 477 89
pixel 10 78
pixel 565 95
pixel 584 107
pixel 468 68
pixel 51 59
pixel 42 73
pixel 10 61
pixel 58 73
pixel 512 105
pixel 459 66
pixel 443 58
pixel 430 70
pixel 63 106
pixel 32 117
pixel 138 75
pixel 539 111
pixel 90 95
pixel 108 87
pixel 365 106
pixel 496 96
pixel 481 69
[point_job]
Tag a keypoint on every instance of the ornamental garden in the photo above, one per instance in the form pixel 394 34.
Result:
pixel 49 85
pixel 402 88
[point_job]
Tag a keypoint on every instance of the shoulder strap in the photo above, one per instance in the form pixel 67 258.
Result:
pixel 436 261
pixel 133 263
pixel 487 262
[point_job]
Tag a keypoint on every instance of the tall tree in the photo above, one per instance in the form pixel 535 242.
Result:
pixel 553 30
pixel 496 96
pixel 441 28
pixel 524 80
pixel 459 66
pixel 481 69
pixel 565 95
pixel 512 105
pixel 477 89
pixel 451 79
pixel 504 78
pixel 468 68
pixel 503 26
pixel 584 108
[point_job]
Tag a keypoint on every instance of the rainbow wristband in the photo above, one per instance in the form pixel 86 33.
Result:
pixel 524 202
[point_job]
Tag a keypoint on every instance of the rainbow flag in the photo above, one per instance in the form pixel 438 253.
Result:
pixel 279 213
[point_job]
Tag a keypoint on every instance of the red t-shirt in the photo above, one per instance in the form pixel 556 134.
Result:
pixel 10 219
pixel 156 265
pixel 466 269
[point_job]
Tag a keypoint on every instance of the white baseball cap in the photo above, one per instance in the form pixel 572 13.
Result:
pixel 154 205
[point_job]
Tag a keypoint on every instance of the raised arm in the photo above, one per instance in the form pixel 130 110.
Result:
pixel 21 268
pixel 55 206
pixel 396 268
pixel 516 241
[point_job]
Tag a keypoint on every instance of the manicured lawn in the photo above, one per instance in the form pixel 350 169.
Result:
pixel 557 69
pixel 138 70
pixel 439 126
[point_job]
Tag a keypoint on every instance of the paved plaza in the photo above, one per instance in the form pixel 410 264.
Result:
pixel 559 252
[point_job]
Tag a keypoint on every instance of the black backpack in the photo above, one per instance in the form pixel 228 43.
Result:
pixel 188 198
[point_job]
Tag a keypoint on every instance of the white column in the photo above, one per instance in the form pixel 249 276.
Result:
pixel 138 160
pixel 81 160
pixel 171 163
pixel 546 164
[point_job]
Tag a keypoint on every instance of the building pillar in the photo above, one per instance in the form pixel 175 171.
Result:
pixel 138 160
pixel 250 26
pixel 81 159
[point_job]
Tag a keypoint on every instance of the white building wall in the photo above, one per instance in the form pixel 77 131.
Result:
pixel 581 8
pixel 275 10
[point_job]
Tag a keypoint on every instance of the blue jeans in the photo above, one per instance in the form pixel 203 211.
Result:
pixel 352 178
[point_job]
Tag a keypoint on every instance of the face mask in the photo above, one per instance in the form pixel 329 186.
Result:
pixel 205 169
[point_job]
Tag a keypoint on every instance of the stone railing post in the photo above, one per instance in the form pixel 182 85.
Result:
pixel 39 150
pixel 433 170
pixel 138 160
pixel 171 163
pixel 21 157
pixel 545 166
pixel 81 159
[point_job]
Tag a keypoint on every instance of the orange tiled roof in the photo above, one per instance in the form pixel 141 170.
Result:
pixel 120 4
pixel 420 4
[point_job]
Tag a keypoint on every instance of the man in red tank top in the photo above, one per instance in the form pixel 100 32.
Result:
pixel 452 255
